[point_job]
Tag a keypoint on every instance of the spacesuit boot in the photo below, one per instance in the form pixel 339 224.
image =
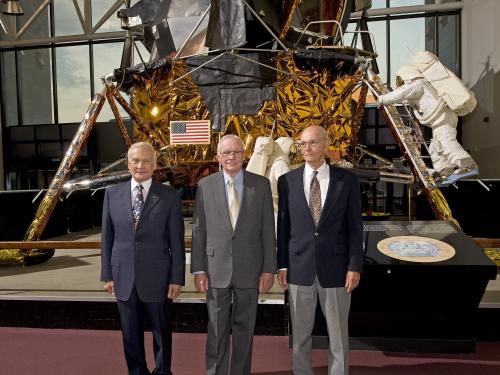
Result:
pixel 466 165
pixel 446 172
pixel 468 168
pixel 435 175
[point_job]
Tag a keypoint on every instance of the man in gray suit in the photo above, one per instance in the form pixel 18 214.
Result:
pixel 233 255
pixel 142 258
pixel 320 249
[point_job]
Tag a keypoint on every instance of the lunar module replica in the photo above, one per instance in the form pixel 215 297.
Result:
pixel 251 68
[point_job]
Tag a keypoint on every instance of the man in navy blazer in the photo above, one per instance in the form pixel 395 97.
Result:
pixel 320 249
pixel 142 258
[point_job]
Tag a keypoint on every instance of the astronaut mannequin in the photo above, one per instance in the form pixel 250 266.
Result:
pixel 261 152
pixel 278 164
pixel 447 155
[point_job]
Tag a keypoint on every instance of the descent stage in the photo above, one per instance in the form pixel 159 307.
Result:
pixel 399 305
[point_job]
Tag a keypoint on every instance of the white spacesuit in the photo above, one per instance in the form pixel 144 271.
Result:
pixel 271 159
pixel 261 152
pixel 447 155
pixel 278 164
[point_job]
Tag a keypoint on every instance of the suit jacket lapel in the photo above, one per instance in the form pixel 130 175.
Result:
pixel 300 197
pixel 334 187
pixel 151 200
pixel 125 195
pixel 220 198
pixel 246 203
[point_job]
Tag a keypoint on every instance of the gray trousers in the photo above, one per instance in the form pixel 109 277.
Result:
pixel 240 321
pixel 335 303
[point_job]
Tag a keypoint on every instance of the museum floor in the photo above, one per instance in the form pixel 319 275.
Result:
pixel 64 292
pixel 83 352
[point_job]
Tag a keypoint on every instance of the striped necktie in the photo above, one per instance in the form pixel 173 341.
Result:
pixel 315 198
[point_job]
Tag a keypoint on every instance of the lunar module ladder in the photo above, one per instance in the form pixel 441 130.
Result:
pixel 410 147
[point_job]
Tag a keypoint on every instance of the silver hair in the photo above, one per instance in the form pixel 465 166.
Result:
pixel 230 136
pixel 144 145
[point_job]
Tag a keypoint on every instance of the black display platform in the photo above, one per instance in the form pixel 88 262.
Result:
pixel 409 306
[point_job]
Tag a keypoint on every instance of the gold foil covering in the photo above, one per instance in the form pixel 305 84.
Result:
pixel 307 97
pixel 440 206
pixel 493 254
pixel 158 102
pixel 11 257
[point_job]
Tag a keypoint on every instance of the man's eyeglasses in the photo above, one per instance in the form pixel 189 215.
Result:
pixel 313 143
pixel 236 154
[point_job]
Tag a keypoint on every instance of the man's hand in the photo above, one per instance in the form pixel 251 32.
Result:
pixel 201 282
pixel 352 280
pixel 109 287
pixel 266 281
pixel 282 279
pixel 173 291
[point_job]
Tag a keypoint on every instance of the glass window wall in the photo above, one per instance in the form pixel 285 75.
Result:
pixel 106 58
pixel 99 9
pixel 66 20
pixel 73 82
pixel 407 36
pixel 35 86
pixel 9 88
pixel 40 28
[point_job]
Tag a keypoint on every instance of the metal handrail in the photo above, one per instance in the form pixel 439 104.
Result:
pixel 321 22
pixel 26 245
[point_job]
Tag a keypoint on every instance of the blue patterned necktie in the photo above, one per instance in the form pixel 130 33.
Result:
pixel 138 204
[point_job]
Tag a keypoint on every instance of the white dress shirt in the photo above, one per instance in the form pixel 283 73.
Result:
pixel 323 177
pixel 146 186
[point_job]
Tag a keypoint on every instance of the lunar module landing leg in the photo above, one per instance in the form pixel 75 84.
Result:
pixel 49 201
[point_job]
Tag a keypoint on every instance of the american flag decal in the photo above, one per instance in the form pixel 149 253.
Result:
pixel 190 132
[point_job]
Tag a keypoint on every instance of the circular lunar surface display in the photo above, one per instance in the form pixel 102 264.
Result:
pixel 416 249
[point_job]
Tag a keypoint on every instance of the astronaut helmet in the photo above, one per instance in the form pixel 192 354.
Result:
pixel 263 145
pixel 407 73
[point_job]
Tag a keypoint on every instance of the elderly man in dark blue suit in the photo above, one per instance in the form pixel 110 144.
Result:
pixel 320 249
pixel 143 259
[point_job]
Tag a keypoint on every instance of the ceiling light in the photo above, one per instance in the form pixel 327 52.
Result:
pixel 12 7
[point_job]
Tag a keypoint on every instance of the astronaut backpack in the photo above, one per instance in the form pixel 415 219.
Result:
pixel 457 96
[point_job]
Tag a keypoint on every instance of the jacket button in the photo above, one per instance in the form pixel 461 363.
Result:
pixel 316 234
